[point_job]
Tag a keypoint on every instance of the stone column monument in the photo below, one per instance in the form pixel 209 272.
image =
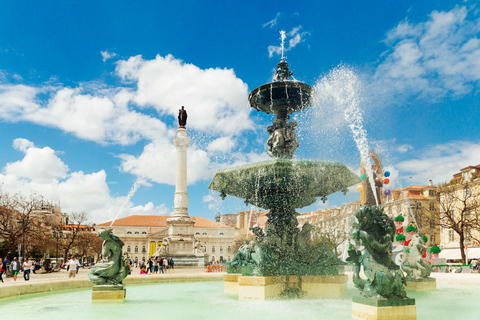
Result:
pixel 180 244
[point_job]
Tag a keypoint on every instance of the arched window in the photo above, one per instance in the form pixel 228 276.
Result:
pixel 136 232
pixel 129 232
pixel 128 249
pixel 213 249
pixel 144 232
pixel 197 234
pixel 144 249
pixel 221 233
pixel 136 249
pixel 204 233
pixel 221 249
pixel 229 249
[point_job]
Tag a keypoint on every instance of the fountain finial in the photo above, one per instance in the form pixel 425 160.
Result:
pixel 282 73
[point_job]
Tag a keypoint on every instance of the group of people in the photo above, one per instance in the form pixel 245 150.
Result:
pixel 157 264
pixel 15 267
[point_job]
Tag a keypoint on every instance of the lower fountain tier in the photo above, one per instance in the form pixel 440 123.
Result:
pixel 284 183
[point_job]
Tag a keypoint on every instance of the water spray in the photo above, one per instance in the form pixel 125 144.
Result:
pixel 134 189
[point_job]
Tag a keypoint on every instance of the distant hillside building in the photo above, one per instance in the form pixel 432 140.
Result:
pixel 143 235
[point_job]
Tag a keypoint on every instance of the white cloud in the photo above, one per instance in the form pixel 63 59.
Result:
pixel 208 198
pixel 223 144
pixel 404 148
pixel 151 209
pixel 40 165
pixel 294 36
pixel 433 58
pixel 107 55
pixel 215 99
pixel 440 162
pixel 272 23
pixel 43 171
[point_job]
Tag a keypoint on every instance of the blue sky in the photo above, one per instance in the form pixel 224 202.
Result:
pixel 89 93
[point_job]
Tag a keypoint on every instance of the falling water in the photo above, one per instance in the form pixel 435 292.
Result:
pixel 134 189
pixel 343 89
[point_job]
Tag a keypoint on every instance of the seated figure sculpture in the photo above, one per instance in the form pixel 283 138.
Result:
pixel 117 268
pixel 248 254
pixel 384 278
pixel 412 263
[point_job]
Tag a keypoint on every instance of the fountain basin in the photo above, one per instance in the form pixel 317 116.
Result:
pixel 282 97
pixel 284 182
pixel 206 300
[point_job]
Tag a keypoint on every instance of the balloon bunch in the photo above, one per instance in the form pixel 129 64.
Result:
pixel 386 181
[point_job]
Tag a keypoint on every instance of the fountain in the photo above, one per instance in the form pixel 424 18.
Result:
pixel 282 259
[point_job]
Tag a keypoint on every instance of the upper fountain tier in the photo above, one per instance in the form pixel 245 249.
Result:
pixel 282 96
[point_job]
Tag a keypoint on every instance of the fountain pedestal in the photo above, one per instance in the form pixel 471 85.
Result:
pixel 383 309
pixel 265 288
pixel 108 293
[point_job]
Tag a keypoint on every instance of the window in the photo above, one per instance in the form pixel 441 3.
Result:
pixel 213 249
pixel 128 249
pixel 432 206
pixel 229 249
pixel 136 249
pixel 451 235
pixel 221 249
pixel 144 232
pixel 433 240
pixel 129 232
pixel 197 234
pixel 221 234
pixel 144 249
pixel 204 234
pixel 136 232
pixel 431 193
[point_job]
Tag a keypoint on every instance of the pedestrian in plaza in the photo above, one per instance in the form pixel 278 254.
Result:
pixel 160 264
pixel 72 266
pixel 165 264
pixel 143 269
pixel 2 270
pixel 172 264
pixel 150 265
pixel 33 266
pixel 15 268
pixel 27 267
pixel 155 265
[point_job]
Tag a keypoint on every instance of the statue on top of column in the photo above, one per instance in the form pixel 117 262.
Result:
pixel 182 117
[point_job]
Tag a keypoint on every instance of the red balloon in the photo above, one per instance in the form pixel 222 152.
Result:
pixel 386 181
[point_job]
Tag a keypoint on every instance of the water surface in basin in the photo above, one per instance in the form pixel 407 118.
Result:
pixel 206 300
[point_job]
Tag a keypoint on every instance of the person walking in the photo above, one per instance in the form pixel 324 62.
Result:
pixel 2 268
pixel 165 264
pixel 27 267
pixel 150 265
pixel 162 267
pixel 15 268
pixel 72 267
pixel 155 266
pixel 172 264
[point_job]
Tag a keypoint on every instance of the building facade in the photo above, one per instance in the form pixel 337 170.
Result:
pixel 143 235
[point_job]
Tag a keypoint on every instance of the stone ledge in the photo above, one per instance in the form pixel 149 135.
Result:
pixel 367 312
pixel 383 302
pixel 341 278
pixel 260 281
pixel 232 277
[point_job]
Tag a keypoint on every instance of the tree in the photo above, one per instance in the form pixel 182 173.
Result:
pixel 88 243
pixel 16 221
pixel 333 232
pixel 459 210
pixel 73 230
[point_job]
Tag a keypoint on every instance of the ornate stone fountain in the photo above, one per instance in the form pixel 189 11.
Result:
pixel 283 259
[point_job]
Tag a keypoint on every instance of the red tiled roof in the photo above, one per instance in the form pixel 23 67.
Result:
pixel 160 221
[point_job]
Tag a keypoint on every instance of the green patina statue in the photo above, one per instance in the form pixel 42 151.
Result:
pixel 117 268
pixel 412 263
pixel 376 231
